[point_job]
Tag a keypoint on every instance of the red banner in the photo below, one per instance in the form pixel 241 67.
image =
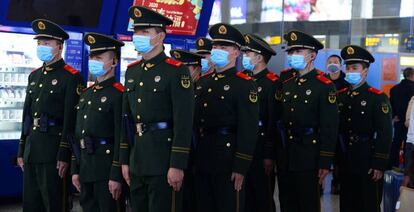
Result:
pixel 184 14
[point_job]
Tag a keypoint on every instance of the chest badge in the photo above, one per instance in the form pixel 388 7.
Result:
pixel 385 109
pixel 185 81
pixel 82 100
pixel 79 89
pixel 287 93
pixel 157 78
pixel 103 99
pixel 32 83
pixel 278 95
pixel 226 87
pixel 363 103
pixel 308 92
pixel 332 97
pixel 259 89
pixel 253 96
pixel 54 81
pixel 199 87
pixel 130 80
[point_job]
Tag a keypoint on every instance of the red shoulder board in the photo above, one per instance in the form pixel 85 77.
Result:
pixel 373 90
pixel 134 63
pixel 173 62
pixel 243 75
pixel 34 70
pixel 286 70
pixel 70 69
pixel 323 79
pixel 118 86
pixel 342 90
pixel 272 76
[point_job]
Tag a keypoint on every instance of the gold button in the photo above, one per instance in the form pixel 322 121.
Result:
pixel 77 107
pixel 306 101
pixel 362 112
pixel 85 116
pixel 314 141
pixel 83 131
pixel 292 109
pixel 99 109
pixel 34 128
pixel 205 104
pixel 139 134
pixel 138 117
pixel 168 139
pixel 209 90
pixel 299 83
pixel 262 134
pixel 139 100
pixel 290 123
pixel 35 113
pixel 94 90
pixel 155 90
pixel 108 151
pixel 41 85
pixel 30 91
pixel 290 137
pixel 215 78
pixel 350 144
pixel 202 120
pixel 349 119
pixel 37 99
pixel 89 102
pixel 45 72
pixel 51 91
pixel 128 89
pixel 349 107
pixel 141 84
pixel 295 96
pixel 222 97
pixel 228 144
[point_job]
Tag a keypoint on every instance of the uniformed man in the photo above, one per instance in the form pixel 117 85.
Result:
pixel 193 62
pixel 48 123
pixel 159 98
pixel 365 124
pixel 335 73
pixel 310 122
pixel 96 171
pixel 260 178
pixel 227 116
pixel 204 46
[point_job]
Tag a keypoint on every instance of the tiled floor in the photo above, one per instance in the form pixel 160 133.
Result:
pixel 330 203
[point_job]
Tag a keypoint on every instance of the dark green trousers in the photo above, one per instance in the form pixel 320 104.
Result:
pixel 215 192
pixel 303 193
pixel 95 197
pixel 359 193
pixel 259 190
pixel 43 189
pixel 154 194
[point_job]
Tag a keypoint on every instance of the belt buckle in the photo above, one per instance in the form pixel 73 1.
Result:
pixel 82 143
pixel 36 122
pixel 140 130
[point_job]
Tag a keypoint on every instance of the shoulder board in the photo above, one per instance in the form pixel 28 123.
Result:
pixel 118 86
pixel 288 79
pixel 373 90
pixel 134 63
pixel 243 76
pixel 342 90
pixel 323 79
pixel 70 69
pixel 286 70
pixel 173 62
pixel 272 76
pixel 34 70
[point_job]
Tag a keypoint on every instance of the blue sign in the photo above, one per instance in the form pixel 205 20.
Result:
pixel 238 11
pixel 410 43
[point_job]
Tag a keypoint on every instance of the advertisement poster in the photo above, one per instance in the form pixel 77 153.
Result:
pixel 389 69
pixel 185 14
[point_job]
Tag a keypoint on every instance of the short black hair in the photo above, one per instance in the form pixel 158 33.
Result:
pixel 408 72
pixel 337 56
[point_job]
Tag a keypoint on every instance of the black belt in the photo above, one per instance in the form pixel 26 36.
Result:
pixel 89 143
pixel 142 128
pixel 218 130
pixel 304 131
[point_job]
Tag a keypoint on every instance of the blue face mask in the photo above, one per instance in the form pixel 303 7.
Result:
pixel 204 65
pixel 219 57
pixel 353 78
pixel 247 64
pixel 96 68
pixel 44 53
pixel 142 43
pixel 296 61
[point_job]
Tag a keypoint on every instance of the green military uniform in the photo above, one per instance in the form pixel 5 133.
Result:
pixel 227 114
pixel 259 186
pixel 159 99
pixel 98 129
pixel 189 59
pixel 310 122
pixel 366 129
pixel 48 124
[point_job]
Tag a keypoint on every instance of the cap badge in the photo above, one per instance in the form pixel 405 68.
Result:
pixel 91 39
pixel 247 39
pixel 350 50
pixel 41 25
pixel 137 13
pixel 293 36
pixel 222 30
pixel 177 54
pixel 201 42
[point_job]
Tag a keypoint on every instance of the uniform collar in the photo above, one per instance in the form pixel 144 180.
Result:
pixel 303 78
pixel 362 88
pixel 261 74
pixel 55 65
pixel 106 83
pixel 229 72
pixel 151 63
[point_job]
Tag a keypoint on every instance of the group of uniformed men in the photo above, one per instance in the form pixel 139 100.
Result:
pixel 233 127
